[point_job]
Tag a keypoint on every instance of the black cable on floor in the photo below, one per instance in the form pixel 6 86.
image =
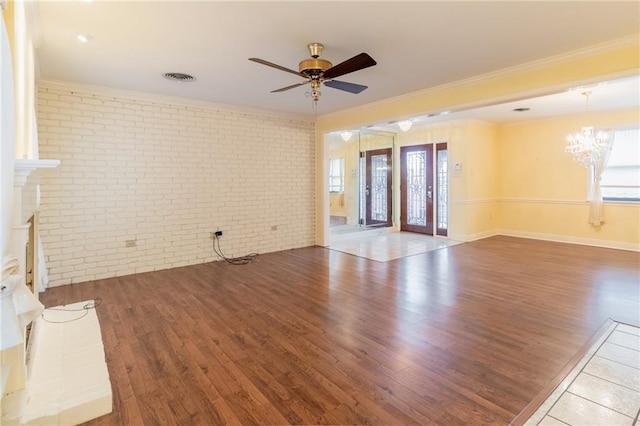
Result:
pixel 242 260
pixel 85 310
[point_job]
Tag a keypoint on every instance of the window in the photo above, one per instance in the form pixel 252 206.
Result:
pixel 621 178
pixel 336 175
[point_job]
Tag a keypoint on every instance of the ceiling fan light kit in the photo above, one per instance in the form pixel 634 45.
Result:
pixel 319 71
pixel 314 65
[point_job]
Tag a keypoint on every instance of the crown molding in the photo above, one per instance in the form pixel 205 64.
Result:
pixel 620 43
pixel 163 99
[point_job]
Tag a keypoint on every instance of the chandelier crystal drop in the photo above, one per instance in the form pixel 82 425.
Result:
pixel 587 146
pixel 405 125
pixel 346 135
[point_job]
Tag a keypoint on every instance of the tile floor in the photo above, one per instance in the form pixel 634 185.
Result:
pixel 383 245
pixel 603 389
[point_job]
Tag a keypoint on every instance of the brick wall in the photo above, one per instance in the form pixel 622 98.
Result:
pixel 166 175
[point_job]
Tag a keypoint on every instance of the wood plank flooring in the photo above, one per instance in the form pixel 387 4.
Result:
pixel 464 335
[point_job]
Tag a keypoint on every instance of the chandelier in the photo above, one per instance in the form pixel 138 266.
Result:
pixel 587 146
pixel 405 125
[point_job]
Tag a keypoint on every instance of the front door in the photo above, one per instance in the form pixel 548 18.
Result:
pixel 377 191
pixel 416 189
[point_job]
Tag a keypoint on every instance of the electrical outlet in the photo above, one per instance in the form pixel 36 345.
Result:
pixel 212 235
pixel 130 243
pixel 218 233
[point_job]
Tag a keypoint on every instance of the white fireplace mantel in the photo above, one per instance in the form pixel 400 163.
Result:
pixel 25 204
pixel 23 168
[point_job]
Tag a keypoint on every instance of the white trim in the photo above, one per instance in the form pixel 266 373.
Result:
pixel 155 98
pixel 608 46
pixel 571 240
pixel 473 201
pixel 473 237
pixel 563 202
pixel 32 13
pixel 23 168
pixel 567 239
pixel 542 201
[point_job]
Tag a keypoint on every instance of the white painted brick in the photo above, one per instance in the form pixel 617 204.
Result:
pixel 167 175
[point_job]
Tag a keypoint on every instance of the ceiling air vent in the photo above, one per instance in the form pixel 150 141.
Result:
pixel 178 76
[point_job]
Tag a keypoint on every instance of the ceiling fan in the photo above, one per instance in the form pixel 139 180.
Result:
pixel 320 71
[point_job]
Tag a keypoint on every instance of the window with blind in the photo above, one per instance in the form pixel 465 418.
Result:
pixel 621 178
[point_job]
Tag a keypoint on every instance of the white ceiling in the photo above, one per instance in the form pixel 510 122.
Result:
pixel 607 95
pixel 417 45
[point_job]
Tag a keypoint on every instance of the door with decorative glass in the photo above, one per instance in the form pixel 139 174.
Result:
pixel 420 200
pixel 377 186
pixel 416 189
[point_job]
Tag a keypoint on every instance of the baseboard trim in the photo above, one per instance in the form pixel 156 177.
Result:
pixel 619 245
pixel 473 237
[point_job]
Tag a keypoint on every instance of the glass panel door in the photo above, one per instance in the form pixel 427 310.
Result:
pixel 416 189
pixel 377 189
pixel 376 178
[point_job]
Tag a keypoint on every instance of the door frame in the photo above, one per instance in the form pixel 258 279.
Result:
pixel 434 230
pixel 388 152
pixel 440 146
pixel 428 229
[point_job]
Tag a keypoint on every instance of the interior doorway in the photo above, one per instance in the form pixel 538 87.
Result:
pixel 361 181
pixel 424 189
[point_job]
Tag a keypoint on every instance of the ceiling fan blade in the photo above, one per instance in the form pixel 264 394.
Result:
pixel 356 63
pixel 343 85
pixel 276 66
pixel 293 86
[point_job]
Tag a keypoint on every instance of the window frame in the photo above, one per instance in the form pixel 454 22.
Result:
pixel 339 176
pixel 620 199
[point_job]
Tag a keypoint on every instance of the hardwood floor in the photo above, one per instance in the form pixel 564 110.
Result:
pixel 464 335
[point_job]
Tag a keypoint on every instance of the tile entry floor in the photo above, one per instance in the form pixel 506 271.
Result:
pixel 383 245
pixel 603 389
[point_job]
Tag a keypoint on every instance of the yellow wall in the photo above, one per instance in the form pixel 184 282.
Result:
pixel 472 189
pixel 346 204
pixel 556 74
pixel 543 192
pixel 7 15
pixel 482 212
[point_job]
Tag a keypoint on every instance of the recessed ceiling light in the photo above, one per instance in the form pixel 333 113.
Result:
pixel 178 76
pixel 523 109
pixel 83 38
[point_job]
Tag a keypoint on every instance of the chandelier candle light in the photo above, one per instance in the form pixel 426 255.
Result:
pixel 587 146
